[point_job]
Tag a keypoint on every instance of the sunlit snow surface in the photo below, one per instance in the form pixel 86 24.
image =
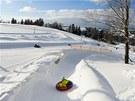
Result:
pixel 30 74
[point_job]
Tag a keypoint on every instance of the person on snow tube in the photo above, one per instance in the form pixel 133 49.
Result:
pixel 65 83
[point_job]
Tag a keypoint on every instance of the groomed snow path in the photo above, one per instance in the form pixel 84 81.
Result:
pixel 41 84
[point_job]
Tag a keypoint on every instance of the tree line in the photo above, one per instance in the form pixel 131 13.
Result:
pixel 39 22
pixel 74 29
pixel 106 35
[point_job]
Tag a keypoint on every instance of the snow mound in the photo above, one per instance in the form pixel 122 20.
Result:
pixel 92 84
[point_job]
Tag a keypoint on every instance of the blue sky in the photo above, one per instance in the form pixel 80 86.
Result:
pixel 52 4
pixel 47 9
pixel 39 8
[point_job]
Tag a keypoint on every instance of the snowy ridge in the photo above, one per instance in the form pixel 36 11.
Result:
pixel 92 84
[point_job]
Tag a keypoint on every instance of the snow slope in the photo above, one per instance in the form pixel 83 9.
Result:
pixel 52 73
pixel 30 74
pixel 89 82
pixel 23 36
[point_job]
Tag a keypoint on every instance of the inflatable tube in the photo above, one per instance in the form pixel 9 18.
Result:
pixel 64 87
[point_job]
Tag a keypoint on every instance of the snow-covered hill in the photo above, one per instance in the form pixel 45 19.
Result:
pixel 30 74
pixel 21 36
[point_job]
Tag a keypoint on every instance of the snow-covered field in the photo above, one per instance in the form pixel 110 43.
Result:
pixel 30 74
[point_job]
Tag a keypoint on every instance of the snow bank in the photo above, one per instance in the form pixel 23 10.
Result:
pixel 117 73
pixel 92 85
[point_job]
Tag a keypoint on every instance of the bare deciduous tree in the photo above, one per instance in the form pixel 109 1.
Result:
pixel 117 17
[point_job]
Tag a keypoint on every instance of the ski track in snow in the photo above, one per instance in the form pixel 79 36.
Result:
pixel 48 77
pixel 41 84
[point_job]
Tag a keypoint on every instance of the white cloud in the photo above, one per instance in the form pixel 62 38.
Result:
pixel 28 9
pixel 6 1
pixel 98 1
pixel 51 14
pixel 63 13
